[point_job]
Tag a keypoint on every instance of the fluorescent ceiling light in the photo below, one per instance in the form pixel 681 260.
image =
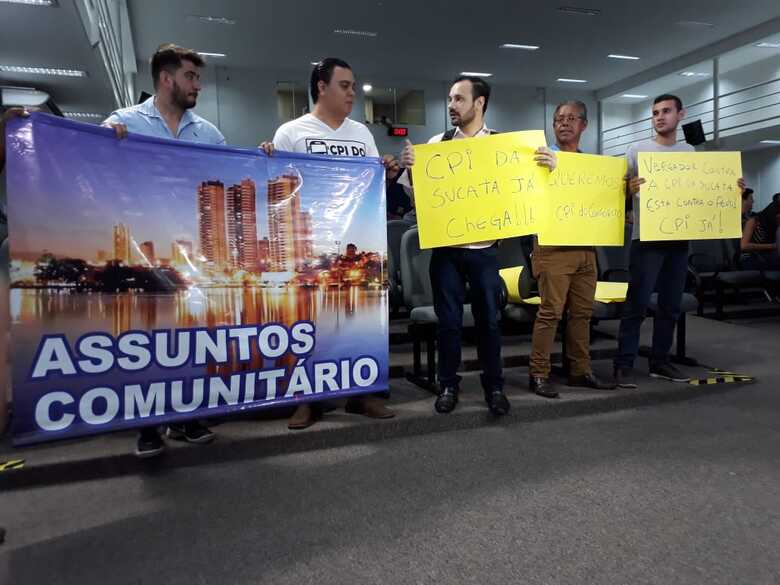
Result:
pixel 568 80
pixel 210 19
pixel 43 71
pixel 203 53
pixel 521 47
pixel 476 74
pixel 694 24
pixel 694 74
pixel 626 57
pixel 83 115
pixel 577 10
pixel 634 96
pixel 367 87
pixel 32 2
pixel 355 33
pixel 766 45
pixel 770 142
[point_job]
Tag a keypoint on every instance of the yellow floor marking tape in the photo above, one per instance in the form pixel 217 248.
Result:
pixel 11 464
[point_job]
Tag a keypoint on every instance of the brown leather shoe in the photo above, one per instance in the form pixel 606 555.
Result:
pixel 303 417
pixel 369 406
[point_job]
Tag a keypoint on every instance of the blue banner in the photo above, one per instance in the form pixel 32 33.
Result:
pixel 157 280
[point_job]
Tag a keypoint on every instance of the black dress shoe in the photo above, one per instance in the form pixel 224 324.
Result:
pixel 590 381
pixel 542 387
pixel 446 400
pixel 624 378
pixel 497 402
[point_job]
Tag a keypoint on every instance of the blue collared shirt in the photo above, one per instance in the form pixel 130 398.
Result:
pixel 146 119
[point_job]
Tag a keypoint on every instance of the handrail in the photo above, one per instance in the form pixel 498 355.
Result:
pixel 645 130
pixel 754 86
pixel 753 123
pixel 688 107
pixel 693 105
pixel 751 100
pixel 749 111
pixel 633 141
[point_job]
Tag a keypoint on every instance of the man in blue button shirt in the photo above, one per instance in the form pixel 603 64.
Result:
pixel 168 114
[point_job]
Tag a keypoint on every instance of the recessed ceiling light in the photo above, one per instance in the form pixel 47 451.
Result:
pixel 521 47
pixel 577 10
pixel 315 62
pixel 694 24
pixel 43 71
pixel 476 74
pixel 766 45
pixel 634 96
pixel 203 53
pixel 770 142
pixel 694 74
pixel 32 2
pixel 367 87
pixel 355 33
pixel 569 80
pixel 626 57
pixel 83 115
pixel 210 19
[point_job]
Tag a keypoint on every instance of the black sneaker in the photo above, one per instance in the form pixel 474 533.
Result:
pixel 497 402
pixel 624 378
pixel 191 432
pixel 667 371
pixel 149 444
pixel 447 400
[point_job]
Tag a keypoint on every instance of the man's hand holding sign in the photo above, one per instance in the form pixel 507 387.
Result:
pixel 474 190
pixel 689 195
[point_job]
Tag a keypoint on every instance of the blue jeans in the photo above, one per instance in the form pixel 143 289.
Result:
pixel 655 266
pixel 450 269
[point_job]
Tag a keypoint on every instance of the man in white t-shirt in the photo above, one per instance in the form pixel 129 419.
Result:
pixel 477 263
pixel 654 266
pixel 328 130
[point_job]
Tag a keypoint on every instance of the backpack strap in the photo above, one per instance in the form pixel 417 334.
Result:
pixel 448 135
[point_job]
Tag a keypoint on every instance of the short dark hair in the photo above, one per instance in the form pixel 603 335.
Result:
pixel 168 57
pixel 664 97
pixel 776 197
pixel 323 71
pixel 479 88
pixel 746 193
pixel 575 103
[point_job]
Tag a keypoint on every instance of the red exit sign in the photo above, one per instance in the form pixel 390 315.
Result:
pixel 398 131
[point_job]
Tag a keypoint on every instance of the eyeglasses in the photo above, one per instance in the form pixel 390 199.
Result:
pixel 570 119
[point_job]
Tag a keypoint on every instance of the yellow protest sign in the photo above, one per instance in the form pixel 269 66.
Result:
pixel 689 195
pixel 586 201
pixel 611 292
pixel 479 189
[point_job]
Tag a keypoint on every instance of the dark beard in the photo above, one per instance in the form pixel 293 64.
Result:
pixel 181 99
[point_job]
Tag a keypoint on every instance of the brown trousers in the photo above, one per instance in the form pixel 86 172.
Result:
pixel 567 279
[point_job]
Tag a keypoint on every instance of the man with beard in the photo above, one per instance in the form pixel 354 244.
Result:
pixel 168 114
pixel 477 263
